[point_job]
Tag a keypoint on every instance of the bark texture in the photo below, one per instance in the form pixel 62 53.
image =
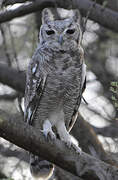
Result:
pixel 12 78
pixel 25 136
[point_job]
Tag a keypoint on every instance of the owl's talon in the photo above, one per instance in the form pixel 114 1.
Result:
pixel 52 135
pixel 49 134
pixel 45 133
pixel 75 147
pixel 47 130
pixel 68 143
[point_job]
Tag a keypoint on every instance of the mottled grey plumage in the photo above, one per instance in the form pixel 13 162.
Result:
pixel 55 78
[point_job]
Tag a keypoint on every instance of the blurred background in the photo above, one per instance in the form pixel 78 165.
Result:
pixel 18 40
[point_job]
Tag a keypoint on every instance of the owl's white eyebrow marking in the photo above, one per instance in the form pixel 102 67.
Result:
pixel 34 69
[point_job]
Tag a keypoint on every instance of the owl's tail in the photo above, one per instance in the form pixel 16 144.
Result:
pixel 40 168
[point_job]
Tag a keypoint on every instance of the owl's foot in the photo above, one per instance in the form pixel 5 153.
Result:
pixel 76 148
pixel 70 144
pixel 66 137
pixel 47 130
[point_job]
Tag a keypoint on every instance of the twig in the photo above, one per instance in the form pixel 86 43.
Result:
pixel 87 16
pixel 5 46
pixel 107 131
pixel 12 78
pixel 9 97
pixel 18 68
pixel 13 47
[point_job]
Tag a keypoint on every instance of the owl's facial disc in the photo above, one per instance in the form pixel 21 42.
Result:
pixel 68 32
pixel 60 34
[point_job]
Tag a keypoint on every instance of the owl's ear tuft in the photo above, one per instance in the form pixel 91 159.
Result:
pixel 47 16
pixel 76 16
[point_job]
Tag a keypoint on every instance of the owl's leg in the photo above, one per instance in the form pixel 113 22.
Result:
pixel 47 130
pixel 66 137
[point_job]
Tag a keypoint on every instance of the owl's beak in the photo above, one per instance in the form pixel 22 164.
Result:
pixel 60 39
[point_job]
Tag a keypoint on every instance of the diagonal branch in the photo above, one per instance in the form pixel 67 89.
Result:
pixel 89 141
pixel 99 14
pixel 9 97
pixel 12 78
pixel 11 2
pixel 25 136
pixel 25 9
pixel 108 131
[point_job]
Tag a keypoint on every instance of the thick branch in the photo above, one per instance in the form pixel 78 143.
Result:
pixel 25 136
pixel 26 9
pixel 89 141
pixel 103 16
pixel 108 131
pixel 11 2
pixel 9 97
pixel 12 78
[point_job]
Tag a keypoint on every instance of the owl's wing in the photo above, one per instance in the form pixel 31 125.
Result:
pixel 83 77
pixel 35 83
pixel 83 86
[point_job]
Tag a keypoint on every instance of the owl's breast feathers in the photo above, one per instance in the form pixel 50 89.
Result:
pixel 54 72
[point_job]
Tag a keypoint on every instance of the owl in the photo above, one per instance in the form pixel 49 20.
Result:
pixel 55 81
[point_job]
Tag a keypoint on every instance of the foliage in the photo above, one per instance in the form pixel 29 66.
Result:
pixel 114 90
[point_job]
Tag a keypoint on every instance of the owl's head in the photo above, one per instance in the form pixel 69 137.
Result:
pixel 64 34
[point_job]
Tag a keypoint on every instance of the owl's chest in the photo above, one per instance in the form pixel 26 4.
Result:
pixel 65 75
pixel 62 62
pixel 65 68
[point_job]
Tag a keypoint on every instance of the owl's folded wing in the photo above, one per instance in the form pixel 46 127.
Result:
pixel 35 84
pixel 76 109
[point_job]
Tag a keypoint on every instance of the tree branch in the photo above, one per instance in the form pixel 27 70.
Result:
pixel 29 138
pixel 9 97
pixel 89 141
pixel 11 2
pixel 25 9
pixel 99 14
pixel 108 131
pixel 12 78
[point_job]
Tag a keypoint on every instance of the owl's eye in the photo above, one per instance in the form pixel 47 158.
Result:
pixel 70 31
pixel 50 32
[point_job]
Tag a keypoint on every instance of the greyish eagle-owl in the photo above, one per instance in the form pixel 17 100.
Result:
pixel 55 82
